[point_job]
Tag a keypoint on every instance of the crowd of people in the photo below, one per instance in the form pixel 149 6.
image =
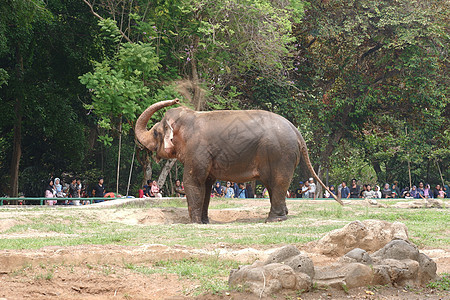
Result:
pixel 75 189
pixel 232 190
pixel 307 189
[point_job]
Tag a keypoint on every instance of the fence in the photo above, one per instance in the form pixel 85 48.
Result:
pixel 41 200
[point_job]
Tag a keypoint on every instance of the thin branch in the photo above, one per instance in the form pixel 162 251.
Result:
pixel 101 18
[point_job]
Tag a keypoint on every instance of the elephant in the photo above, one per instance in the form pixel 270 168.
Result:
pixel 234 145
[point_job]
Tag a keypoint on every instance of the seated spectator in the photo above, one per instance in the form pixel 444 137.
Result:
pixel 50 192
pixel 179 189
pixel 298 192
pixel 265 193
pixel 59 188
pixel 249 189
pixel 332 190
pixel 154 190
pixel 364 188
pixel 386 192
pixel 369 193
pixel 427 191
pixel 442 193
pixel 354 189
pixel 147 188
pixel 73 190
pixel 435 192
pixel 413 192
pixel 242 192
pixel 395 189
pixel 218 190
pixel 235 188
pixel 99 190
pixel 420 191
pixel 408 195
pixel 305 189
pixel 312 189
pixel 345 191
pixel 406 189
pixel 377 192
pixel 229 191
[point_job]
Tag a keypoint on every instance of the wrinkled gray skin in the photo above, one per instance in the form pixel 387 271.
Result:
pixel 239 146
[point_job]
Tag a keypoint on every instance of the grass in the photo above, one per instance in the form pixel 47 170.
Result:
pixel 212 273
pixel 442 284
pixel 67 226
pixel 307 222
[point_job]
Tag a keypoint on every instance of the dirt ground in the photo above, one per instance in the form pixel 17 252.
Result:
pixel 98 272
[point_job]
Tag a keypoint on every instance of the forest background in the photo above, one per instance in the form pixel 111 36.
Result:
pixel 366 82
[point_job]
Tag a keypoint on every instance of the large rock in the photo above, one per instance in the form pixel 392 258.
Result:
pixel 369 235
pixel 343 275
pixel 404 264
pixel 291 256
pixel 396 262
pixel 264 280
pixel 420 203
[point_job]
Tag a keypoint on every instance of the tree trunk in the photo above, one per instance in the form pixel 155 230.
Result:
pixel 318 193
pixel 146 163
pixel 118 156
pixel 17 142
pixel 198 95
pixel 165 171
pixel 17 150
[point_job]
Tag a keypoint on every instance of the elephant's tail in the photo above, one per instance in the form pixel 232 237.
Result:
pixel 304 154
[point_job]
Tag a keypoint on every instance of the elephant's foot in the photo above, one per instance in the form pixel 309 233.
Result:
pixel 276 218
pixel 205 220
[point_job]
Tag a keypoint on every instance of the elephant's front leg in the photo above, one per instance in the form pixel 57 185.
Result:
pixel 195 189
pixel 207 198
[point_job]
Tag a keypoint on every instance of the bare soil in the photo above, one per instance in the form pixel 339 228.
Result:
pixel 99 272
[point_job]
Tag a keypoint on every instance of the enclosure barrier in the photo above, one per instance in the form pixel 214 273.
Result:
pixel 41 200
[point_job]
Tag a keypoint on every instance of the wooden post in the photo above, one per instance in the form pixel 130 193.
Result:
pixel 118 156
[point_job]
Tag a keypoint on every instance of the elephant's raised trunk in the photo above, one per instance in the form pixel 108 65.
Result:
pixel 141 131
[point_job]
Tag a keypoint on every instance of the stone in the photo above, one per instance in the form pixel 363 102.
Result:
pixel 358 275
pixel 369 235
pixel 381 275
pixel 398 249
pixel 427 270
pixel 420 203
pixel 301 264
pixel 343 275
pixel 281 255
pixel 359 255
pixel 267 279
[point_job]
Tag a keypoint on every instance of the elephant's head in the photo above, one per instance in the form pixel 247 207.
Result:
pixel 159 138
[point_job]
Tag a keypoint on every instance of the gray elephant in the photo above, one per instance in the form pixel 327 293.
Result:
pixel 239 146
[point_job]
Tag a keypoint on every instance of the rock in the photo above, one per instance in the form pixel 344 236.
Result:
pixel 369 235
pixel 402 272
pixel 282 254
pixel 343 275
pixel 398 249
pixel 267 279
pixel 301 264
pixel 420 203
pixel 359 255
pixel 427 270
pixel 381 275
pixel 358 275
pixel 291 256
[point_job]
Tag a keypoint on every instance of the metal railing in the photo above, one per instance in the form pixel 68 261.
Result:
pixel 41 200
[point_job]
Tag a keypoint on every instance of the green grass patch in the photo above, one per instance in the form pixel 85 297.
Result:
pixel 442 284
pixel 211 272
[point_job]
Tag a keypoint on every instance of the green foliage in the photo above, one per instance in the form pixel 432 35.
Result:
pixel 442 284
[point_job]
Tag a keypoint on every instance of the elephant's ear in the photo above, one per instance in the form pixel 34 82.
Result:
pixel 168 137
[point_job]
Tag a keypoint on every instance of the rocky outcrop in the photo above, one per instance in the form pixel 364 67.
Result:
pixel 285 269
pixel 420 203
pixel 397 262
pixel 369 235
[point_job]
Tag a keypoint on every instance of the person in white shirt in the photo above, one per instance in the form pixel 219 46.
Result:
pixel 312 188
